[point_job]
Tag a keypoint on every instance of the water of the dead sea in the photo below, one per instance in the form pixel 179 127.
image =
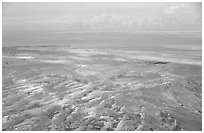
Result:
pixel 173 40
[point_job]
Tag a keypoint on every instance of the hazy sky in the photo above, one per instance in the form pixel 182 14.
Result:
pixel 101 16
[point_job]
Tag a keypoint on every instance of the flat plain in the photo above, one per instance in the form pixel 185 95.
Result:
pixel 62 88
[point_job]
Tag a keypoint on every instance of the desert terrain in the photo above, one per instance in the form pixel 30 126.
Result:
pixel 60 88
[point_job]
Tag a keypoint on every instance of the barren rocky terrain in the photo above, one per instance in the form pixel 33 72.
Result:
pixel 62 88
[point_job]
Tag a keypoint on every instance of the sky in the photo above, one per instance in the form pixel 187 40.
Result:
pixel 65 17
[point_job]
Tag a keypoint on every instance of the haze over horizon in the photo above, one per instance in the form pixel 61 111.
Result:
pixel 107 16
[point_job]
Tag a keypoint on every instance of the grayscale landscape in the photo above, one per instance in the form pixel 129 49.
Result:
pixel 102 67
